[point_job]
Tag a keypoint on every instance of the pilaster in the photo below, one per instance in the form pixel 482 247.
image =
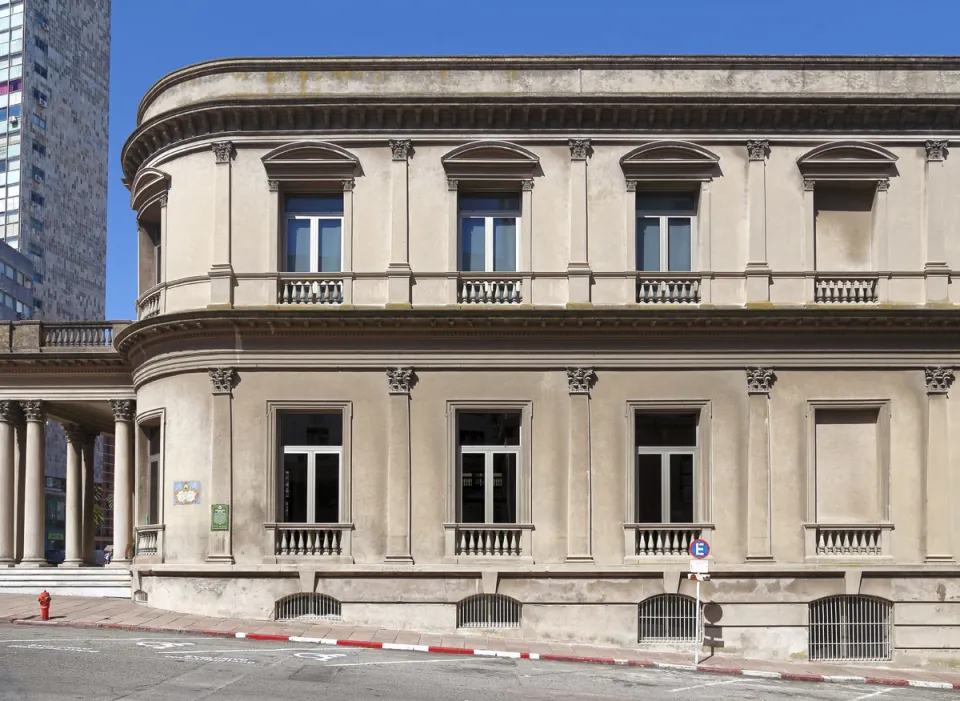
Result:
pixel 580 381
pixel 757 270
pixel 398 271
pixel 939 222
pixel 937 478
pixel 578 267
pixel 222 280
pixel 759 383
pixel 220 543
pixel 399 382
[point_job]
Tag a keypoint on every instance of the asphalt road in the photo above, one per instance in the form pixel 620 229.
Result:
pixel 55 664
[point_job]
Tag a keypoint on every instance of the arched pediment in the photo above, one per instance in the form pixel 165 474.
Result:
pixel 670 160
pixel 491 160
pixel 310 160
pixel 848 160
pixel 147 187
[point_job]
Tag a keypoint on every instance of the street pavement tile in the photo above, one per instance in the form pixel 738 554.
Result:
pixel 476 642
pixel 408 637
pixel 453 641
pixel 431 639
pixel 386 636
pixel 318 632
pixel 360 634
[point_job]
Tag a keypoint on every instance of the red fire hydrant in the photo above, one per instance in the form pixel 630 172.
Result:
pixel 44 600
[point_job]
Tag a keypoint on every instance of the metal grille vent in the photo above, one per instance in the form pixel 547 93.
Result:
pixel 488 611
pixel 668 618
pixel 140 596
pixel 307 606
pixel 851 628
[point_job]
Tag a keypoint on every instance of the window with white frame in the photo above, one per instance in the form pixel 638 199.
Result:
pixel 314 233
pixel 666 223
pixel 667 458
pixel 488 447
pixel 489 231
pixel 312 450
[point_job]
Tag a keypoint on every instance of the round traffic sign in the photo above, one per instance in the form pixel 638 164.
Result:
pixel 699 549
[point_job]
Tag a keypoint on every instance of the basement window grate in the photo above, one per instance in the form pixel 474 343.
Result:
pixel 307 606
pixel 140 596
pixel 851 628
pixel 488 611
pixel 667 618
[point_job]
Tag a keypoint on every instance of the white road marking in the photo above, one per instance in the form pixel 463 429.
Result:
pixel 317 656
pixel 365 664
pixel 161 645
pixel 870 696
pixel 700 686
pixel 202 658
pixel 59 648
pixel 245 651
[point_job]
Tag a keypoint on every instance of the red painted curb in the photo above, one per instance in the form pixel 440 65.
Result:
pixel 572 658
pixel 268 636
pixel 800 677
pixel 359 643
pixel 721 670
pixel 449 650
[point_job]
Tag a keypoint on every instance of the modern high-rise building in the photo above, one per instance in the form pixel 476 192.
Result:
pixel 54 98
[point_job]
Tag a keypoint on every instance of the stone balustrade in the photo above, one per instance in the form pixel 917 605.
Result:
pixel 310 290
pixel 662 540
pixel 310 539
pixel 672 289
pixel 149 541
pixel 489 541
pixel 846 289
pixel 489 290
pixel 60 336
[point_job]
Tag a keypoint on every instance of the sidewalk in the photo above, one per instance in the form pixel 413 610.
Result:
pixel 120 614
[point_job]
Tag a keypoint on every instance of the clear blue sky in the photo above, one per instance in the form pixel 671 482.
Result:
pixel 151 39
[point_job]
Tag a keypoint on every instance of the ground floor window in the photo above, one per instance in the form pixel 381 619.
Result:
pixel 311 476
pixel 668 618
pixel 665 484
pixel 488 611
pixel 488 453
pixel 307 606
pixel 851 628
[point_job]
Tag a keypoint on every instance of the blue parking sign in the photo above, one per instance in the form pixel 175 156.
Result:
pixel 699 549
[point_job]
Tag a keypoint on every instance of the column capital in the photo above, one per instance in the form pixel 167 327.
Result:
pixel 123 409
pixel 760 380
pixel 222 151
pixel 809 185
pixel 223 380
pixel 76 434
pixel 273 185
pixel 400 380
pixel 162 200
pixel 580 380
pixel 453 184
pixel 937 149
pixel 348 184
pixel 526 185
pixel 33 410
pixel 579 149
pixel 938 379
pixel 758 149
pixel 400 148
pixel 883 185
pixel 10 412
pixel 631 186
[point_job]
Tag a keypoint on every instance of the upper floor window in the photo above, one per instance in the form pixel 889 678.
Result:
pixel 489 231
pixel 666 222
pixel 40 70
pixel 39 148
pixel 152 438
pixel 666 463
pixel 40 44
pixel 314 233
pixel 312 447
pixel 488 446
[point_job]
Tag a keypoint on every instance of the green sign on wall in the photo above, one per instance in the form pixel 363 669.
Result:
pixel 220 517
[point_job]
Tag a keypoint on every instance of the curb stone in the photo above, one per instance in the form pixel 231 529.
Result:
pixel 445 650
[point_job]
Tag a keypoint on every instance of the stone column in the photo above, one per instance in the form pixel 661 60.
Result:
pixel 940 222
pixel 757 271
pixel 578 267
pixel 123 414
pixel 759 383
pixel 398 271
pixel 20 458
pixel 88 497
pixel 74 501
pixel 221 272
pixel 220 544
pixel 399 380
pixel 939 490
pixel 579 487
pixel 34 537
pixel 9 416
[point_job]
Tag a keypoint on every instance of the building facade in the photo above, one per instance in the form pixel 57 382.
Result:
pixel 487 342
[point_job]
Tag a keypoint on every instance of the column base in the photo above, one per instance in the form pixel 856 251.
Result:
pixel 33 564
pixel 119 564
pixel 7 563
pixel 72 563
pixel 399 559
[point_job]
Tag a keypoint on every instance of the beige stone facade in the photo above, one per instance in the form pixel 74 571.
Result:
pixel 433 328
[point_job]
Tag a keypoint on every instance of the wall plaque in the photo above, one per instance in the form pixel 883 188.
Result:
pixel 186 493
pixel 220 517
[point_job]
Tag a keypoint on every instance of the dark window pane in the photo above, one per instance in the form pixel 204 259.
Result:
pixel 681 489
pixel 331 203
pixel 153 440
pixel 649 489
pixel 492 202
pixel 327 489
pixel 298 246
pixel 504 488
pixel 648 244
pixel 472 245
pixel 489 429
pixel 471 488
pixel 660 430
pixel 311 429
pixel 295 488
pixel 679 256
pixel 153 507
pixel 679 202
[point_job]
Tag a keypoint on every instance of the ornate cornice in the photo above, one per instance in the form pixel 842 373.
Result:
pixel 400 149
pixel 758 149
pixel 760 380
pixel 580 380
pixel 33 410
pixel 223 380
pixel 123 409
pixel 579 149
pixel 938 379
pixel 399 380
pixel 937 149
pixel 222 151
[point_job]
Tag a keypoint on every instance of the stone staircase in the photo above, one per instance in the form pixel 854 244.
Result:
pixel 62 581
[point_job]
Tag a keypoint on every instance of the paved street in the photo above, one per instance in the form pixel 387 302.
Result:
pixel 54 664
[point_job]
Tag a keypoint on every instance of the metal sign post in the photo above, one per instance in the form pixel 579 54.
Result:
pixel 699 570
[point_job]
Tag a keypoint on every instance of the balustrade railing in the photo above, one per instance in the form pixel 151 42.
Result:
pixel 663 540
pixel 149 540
pixel 149 306
pixel 489 541
pixel 309 539
pixel 77 334
pixel 310 291
pixel 668 290
pixel 845 289
pixel 489 291
pixel 849 541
